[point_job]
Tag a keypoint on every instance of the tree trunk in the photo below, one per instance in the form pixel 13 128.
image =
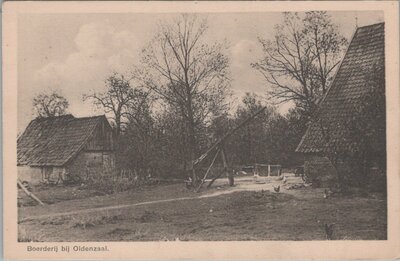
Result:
pixel 117 125
pixel 226 170
pixel 250 158
pixel 191 136
pixel 192 151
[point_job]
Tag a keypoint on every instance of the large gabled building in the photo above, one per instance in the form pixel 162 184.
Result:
pixel 65 147
pixel 364 56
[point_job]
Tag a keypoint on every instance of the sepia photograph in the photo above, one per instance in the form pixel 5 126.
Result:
pixel 200 126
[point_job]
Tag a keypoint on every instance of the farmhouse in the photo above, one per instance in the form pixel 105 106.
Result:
pixel 364 57
pixel 64 147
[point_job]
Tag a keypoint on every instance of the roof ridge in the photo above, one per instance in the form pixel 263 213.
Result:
pixel 67 116
pixel 90 117
pixel 54 117
pixel 371 25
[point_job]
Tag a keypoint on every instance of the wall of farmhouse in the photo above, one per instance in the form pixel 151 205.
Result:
pixel 108 163
pixel 33 175
pixel 36 175
pixel 91 164
pixel 102 138
pixel 319 170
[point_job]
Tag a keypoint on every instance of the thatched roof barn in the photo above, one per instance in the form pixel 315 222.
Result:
pixel 57 147
pixel 365 53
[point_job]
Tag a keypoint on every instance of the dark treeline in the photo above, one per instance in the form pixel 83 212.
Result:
pixel 154 142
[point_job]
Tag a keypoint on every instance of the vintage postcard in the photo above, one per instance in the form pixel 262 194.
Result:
pixel 201 130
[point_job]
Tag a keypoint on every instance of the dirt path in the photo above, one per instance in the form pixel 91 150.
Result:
pixel 90 210
pixel 243 185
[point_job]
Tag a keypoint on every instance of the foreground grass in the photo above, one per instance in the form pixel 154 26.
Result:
pixel 96 199
pixel 237 216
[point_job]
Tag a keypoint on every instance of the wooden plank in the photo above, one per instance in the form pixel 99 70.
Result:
pixel 214 179
pixel 222 172
pixel 208 170
pixel 30 194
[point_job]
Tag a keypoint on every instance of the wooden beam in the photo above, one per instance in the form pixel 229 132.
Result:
pixel 226 136
pixel 30 194
pixel 225 168
pixel 214 179
pixel 208 170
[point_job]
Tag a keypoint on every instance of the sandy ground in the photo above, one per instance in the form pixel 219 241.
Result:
pixel 251 183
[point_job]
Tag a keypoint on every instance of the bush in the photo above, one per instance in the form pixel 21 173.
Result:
pixel 120 180
pixel 110 185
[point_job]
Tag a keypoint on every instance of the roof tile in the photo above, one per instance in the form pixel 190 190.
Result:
pixel 53 141
pixel 365 51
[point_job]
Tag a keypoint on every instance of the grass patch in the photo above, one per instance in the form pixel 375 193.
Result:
pixel 106 218
pixel 247 215
pixel 90 221
pixel 25 236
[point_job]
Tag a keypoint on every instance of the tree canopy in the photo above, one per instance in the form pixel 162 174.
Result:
pixel 300 61
pixel 50 104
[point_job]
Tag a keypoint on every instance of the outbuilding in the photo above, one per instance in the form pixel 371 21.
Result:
pixel 365 57
pixel 60 148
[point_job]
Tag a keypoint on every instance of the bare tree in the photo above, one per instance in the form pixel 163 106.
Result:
pixel 300 61
pixel 187 73
pixel 50 105
pixel 120 100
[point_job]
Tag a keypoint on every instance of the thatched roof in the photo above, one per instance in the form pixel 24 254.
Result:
pixel 53 141
pixel 365 53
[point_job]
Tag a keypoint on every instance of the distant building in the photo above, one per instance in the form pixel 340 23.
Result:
pixel 365 52
pixel 65 147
